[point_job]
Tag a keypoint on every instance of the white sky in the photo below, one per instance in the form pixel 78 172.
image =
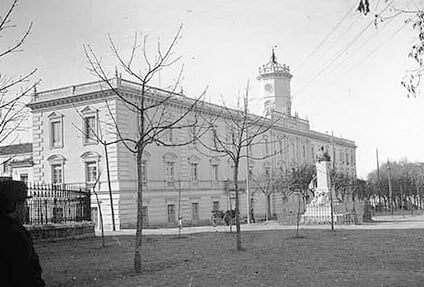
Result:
pixel 350 85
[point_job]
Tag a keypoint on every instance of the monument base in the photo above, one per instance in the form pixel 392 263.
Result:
pixel 321 214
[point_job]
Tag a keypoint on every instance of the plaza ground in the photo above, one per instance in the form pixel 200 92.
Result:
pixel 387 252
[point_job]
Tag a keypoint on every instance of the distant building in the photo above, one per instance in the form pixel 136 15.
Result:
pixel 16 162
pixel 177 180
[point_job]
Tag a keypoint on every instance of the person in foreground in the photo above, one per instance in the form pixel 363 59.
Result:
pixel 19 264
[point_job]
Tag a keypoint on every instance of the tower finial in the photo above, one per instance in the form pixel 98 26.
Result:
pixel 116 72
pixel 273 57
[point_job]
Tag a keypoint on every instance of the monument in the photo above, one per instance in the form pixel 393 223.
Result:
pixel 325 202
pixel 319 210
pixel 323 188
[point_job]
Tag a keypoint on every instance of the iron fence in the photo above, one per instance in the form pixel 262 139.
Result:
pixel 49 203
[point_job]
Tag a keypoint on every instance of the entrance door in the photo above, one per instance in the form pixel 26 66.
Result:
pixel 95 217
pixel 171 214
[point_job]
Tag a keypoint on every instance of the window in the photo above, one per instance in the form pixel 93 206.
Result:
pixel 293 152
pixel 230 138
pixel 90 172
pixel 193 135
pixel 89 129
pixel 193 162
pixel 169 172
pixel 57 176
pixel 341 157
pixel 144 172
pixel 347 158
pixel 171 213
pixel 145 215
pixel 313 153
pixel 56 133
pixel 213 135
pixel 195 211
pixel 352 160
pixel 215 172
pixel 303 151
pixel 55 129
pixel 24 178
pixel 168 136
pixel 266 146
pixel 215 206
pixel 193 171
pixel 169 165
pixel 57 163
pixel 5 167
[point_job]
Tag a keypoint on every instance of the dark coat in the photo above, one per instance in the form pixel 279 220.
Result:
pixel 19 264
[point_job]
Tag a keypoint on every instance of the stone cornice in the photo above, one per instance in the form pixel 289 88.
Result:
pixel 70 100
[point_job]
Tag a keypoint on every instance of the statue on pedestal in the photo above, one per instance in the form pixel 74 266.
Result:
pixel 322 155
pixel 322 190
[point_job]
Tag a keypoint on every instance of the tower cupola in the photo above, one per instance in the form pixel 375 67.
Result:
pixel 274 79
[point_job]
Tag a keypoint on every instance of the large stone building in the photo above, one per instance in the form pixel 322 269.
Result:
pixel 178 181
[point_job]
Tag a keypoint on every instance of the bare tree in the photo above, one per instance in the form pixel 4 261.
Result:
pixel 393 9
pixel 13 90
pixel 151 106
pixel 96 133
pixel 271 182
pixel 284 182
pixel 242 132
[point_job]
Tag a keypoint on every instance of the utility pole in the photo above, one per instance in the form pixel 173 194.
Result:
pixel 179 207
pixel 333 188
pixel 378 177
pixel 390 186
pixel 247 159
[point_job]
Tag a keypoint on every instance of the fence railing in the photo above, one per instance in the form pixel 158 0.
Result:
pixel 56 204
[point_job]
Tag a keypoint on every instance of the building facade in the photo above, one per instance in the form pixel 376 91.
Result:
pixel 178 181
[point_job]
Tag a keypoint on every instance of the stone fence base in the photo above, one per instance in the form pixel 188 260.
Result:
pixel 54 232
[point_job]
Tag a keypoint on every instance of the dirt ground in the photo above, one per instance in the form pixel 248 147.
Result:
pixel 363 257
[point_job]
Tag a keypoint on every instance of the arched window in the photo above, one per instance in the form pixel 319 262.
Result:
pixel 89 126
pixel 91 167
pixel 57 163
pixel 56 130
pixel 194 167
pixel 169 162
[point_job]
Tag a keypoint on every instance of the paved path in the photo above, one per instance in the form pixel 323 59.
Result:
pixel 380 222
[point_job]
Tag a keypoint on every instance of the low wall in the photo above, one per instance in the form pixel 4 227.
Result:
pixel 54 232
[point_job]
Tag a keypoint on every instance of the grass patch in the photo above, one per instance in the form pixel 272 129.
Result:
pixel 270 258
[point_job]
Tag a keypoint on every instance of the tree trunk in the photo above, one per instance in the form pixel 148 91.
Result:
pixel 237 206
pixel 139 231
pixel 109 187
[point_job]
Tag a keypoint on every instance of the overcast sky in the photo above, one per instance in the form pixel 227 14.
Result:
pixel 347 81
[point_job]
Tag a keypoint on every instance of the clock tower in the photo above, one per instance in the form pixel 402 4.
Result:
pixel 274 80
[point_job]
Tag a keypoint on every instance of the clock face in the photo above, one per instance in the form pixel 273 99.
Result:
pixel 268 88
